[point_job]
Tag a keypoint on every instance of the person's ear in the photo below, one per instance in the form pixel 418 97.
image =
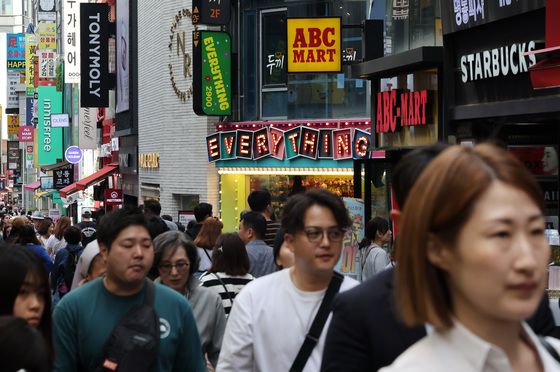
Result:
pixel 438 254
pixel 289 241
pixel 103 251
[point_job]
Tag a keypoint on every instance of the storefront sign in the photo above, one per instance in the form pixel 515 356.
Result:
pixel 25 133
pixel 113 197
pixel 149 160
pixel 15 51
pixel 123 59
pixel 501 61
pixel 47 10
pixel 14 157
pixel 94 39
pixel 71 41
pixel 63 177
pixel 46 182
pixel 30 53
pixel 460 15
pixel 60 121
pixel 180 73
pixel 49 138
pixel 47 36
pixel 13 124
pixel 300 141
pixel 87 128
pixel 73 154
pixel 211 12
pixel 314 45
pixel 397 109
pixel 47 64
pixel 540 160
pixel 212 73
pixel 12 86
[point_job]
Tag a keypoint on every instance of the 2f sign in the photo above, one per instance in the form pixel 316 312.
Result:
pixel 314 45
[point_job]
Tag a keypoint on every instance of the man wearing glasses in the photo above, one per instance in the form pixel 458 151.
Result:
pixel 273 314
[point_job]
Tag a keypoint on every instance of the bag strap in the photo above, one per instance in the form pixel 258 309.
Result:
pixel 316 328
pixel 150 293
pixel 225 289
pixel 551 350
pixel 207 254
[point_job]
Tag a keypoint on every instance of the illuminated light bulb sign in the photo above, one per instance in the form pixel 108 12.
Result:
pixel 342 144
pixel 361 144
pixel 308 143
pixel 325 144
pixel 228 141
pixel 244 144
pixel 292 139
pixel 276 143
pixel 261 147
pixel 397 109
pixel 213 147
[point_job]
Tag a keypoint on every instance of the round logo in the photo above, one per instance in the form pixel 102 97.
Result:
pixel 164 328
pixel 114 195
pixel 73 154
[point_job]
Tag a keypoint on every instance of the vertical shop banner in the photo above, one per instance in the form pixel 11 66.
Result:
pixel 87 128
pixel 94 46
pixel 29 102
pixel 49 146
pixel 47 64
pixel 349 263
pixel 14 158
pixel 212 73
pixel 30 53
pixel 15 57
pixel 13 125
pixel 12 85
pixel 47 36
pixel 123 77
pixel 47 10
pixel 71 41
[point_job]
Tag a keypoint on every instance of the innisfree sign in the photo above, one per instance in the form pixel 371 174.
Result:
pixel 212 73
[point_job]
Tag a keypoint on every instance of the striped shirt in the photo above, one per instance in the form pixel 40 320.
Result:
pixel 272 228
pixel 233 284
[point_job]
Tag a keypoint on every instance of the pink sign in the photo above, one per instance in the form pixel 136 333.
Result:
pixel 25 133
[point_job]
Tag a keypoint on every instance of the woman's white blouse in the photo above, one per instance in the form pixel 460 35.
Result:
pixel 460 350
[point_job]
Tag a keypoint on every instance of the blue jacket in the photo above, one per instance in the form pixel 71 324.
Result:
pixel 42 253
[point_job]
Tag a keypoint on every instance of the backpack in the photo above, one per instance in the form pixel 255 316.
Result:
pixel 133 345
pixel 64 272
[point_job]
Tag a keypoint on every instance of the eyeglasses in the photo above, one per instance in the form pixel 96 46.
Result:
pixel 315 234
pixel 181 266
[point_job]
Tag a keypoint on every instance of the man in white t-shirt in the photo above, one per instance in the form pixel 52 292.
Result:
pixel 272 314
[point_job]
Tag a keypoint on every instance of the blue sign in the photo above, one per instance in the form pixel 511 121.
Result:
pixel 73 154
pixel 15 51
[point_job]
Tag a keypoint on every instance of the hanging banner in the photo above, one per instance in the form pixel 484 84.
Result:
pixel 71 42
pixel 47 35
pixel 12 85
pixel 123 77
pixel 15 57
pixel 25 134
pixel 47 64
pixel 30 53
pixel 314 45
pixel 13 125
pixel 87 128
pixel 49 139
pixel 94 39
pixel 63 176
pixel 29 102
pixel 212 73
pixel 14 157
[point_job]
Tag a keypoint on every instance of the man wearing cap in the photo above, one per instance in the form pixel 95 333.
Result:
pixel 37 217
pixel 88 228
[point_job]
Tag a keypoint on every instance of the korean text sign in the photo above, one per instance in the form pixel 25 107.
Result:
pixel 16 51
pixel 314 45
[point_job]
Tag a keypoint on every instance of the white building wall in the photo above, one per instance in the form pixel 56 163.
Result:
pixel 167 125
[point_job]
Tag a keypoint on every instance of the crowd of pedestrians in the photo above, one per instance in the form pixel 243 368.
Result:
pixel 460 287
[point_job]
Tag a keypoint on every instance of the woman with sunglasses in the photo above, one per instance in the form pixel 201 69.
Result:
pixel 176 259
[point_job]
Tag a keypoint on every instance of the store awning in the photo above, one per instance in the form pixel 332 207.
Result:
pixel 92 179
pixel 32 186
pixel 51 167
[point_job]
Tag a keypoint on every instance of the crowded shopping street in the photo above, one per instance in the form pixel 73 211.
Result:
pixel 279 186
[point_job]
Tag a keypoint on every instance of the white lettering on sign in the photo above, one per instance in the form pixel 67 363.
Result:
pixel 95 45
pixel 468 11
pixel 47 125
pixel 502 61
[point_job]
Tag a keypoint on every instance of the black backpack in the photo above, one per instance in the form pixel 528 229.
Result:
pixel 134 342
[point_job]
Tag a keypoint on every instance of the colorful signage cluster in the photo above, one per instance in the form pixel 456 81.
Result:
pixel 212 73
pixel 314 45
pixel 94 35
pixel 397 109
pixel 301 141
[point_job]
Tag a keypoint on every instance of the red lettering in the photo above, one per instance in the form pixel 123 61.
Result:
pixel 391 108
pixel 416 108
pixel 298 56
pixel 331 53
pixel 320 55
pixel 299 40
pixel 386 112
pixel 326 32
pixel 310 56
pixel 410 108
pixel 424 101
pixel 379 115
pixel 314 37
pixel 404 109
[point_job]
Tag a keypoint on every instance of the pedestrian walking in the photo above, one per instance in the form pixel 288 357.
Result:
pixel 277 321
pixel 252 229
pixel 260 201
pixel 205 241
pixel 374 258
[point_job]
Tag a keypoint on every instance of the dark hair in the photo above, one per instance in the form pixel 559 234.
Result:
pixel 16 263
pixel 209 232
pixel 230 256
pixel 152 206
pixel 255 221
pixel 44 226
pixel 180 226
pixel 294 211
pixel 170 241
pixel 258 200
pixel 23 348
pixel 372 227
pixel 113 223
pixel 409 168
pixel 440 205
pixel 167 217
pixel 201 211
pixel 156 226
pixel 73 235
pixel 61 225
pixel 27 235
pixel 278 241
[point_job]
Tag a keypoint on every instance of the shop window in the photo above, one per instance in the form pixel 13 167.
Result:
pixel 6 7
